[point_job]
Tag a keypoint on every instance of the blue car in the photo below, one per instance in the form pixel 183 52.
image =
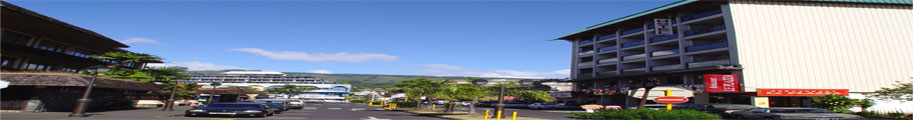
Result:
pixel 230 109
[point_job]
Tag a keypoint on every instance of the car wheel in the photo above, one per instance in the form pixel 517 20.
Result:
pixel 261 115
pixel 270 114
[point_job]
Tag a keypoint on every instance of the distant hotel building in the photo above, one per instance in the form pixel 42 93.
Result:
pixel 329 91
pixel 765 53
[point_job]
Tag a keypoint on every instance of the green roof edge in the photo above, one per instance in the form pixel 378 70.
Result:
pixel 654 10
pixel 683 2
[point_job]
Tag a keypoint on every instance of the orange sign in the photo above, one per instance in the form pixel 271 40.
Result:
pixel 670 99
pixel 802 92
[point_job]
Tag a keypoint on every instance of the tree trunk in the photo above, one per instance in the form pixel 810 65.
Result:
pixel 450 106
pixel 418 103
pixel 472 105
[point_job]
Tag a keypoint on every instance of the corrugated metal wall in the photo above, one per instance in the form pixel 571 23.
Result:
pixel 823 45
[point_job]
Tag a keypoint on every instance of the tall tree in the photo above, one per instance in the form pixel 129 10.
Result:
pixel 290 90
pixel 420 87
pixel 530 95
pixel 461 92
pixel 121 58
pixel 167 73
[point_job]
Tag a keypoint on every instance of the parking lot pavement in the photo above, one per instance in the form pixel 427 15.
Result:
pixel 333 111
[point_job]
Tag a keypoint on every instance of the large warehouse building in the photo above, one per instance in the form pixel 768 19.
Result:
pixel 764 53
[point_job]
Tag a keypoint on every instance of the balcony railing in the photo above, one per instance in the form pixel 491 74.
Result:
pixel 606 73
pixel 705 30
pixel 632 44
pixel 706 46
pixel 585 75
pixel 663 38
pixel 634 70
pixel 708 63
pixel 609 60
pixel 606 49
pixel 634 57
pixel 668 67
pixel 607 36
pixel 702 14
pixel 586 52
pixel 585 42
pixel 666 52
pixel 626 32
pixel 590 63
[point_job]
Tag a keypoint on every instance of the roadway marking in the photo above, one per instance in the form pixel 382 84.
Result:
pixel 318 104
pixel 335 108
pixel 357 109
pixel 309 108
pixel 373 118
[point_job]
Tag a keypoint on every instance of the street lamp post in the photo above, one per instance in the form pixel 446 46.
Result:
pixel 500 106
pixel 213 93
pixel 170 104
pixel 83 102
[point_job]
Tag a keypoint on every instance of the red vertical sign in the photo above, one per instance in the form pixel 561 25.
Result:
pixel 721 83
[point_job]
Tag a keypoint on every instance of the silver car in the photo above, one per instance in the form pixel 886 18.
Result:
pixel 792 113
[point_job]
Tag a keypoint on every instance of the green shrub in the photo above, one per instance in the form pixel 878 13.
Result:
pixel 644 114
pixel 357 101
pixel 401 104
pixel 872 115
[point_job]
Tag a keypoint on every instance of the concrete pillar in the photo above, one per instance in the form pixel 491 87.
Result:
pixel 702 98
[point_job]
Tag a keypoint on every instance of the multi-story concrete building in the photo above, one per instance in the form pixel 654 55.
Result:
pixel 33 43
pixel 327 91
pixel 765 53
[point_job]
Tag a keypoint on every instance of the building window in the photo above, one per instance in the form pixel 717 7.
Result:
pixel 8 62
pixel 38 66
pixel 51 46
pixel 79 52
pixel 15 38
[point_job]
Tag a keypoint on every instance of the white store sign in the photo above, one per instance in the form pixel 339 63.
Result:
pixel 663 26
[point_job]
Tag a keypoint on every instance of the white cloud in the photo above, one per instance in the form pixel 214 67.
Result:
pixel 320 71
pixel 319 57
pixel 139 40
pixel 196 66
pixel 448 70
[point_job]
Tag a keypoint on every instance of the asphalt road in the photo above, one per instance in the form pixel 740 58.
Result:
pixel 336 111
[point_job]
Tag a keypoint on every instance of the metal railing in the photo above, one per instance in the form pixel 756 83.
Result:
pixel 635 30
pixel 702 47
pixel 585 42
pixel 608 60
pixel 606 49
pixel 705 30
pixel 666 52
pixel 586 52
pixel 708 63
pixel 590 63
pixel 632 44
pixel 606 73
pixel 634 57
pixel 668 67
pixel 663 38
pixel 607 36
pixel 702 14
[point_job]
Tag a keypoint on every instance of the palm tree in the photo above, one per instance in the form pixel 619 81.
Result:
pixel 290 90
pixel 167 73
pixel 120 58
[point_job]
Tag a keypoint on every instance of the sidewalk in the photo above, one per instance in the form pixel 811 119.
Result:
pixel 459 115
pixel 146 114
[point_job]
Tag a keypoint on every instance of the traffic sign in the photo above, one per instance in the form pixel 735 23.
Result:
pixel 670 99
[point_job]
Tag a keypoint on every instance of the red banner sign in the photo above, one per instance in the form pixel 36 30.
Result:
pixel 670 99
pixel 721 83
pixel 802 92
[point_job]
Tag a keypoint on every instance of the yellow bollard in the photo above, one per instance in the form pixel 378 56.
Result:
pixel 514 117
pixel 486 115
pixel 499 115
pixel 432 107
pixel 668 93
pixel 394 106
pixel 371 104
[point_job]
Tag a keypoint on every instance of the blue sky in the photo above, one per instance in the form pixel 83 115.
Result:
pixel 442 38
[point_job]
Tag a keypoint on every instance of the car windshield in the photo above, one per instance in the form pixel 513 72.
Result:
pixel 234 105
pixel 799 111
pixel 733 106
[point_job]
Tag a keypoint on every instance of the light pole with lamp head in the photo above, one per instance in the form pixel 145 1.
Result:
pixel 213 93
pixel 500 106
pixel 83 103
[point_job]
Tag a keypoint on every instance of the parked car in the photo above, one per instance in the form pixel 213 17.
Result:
pixel 230 109
pixel 544 105
pixel 464 103
pixel 440 102
pixel 148 104
pixel 515 105
pixel 792 113
pixel 275 107
pixel 488 104
pixel 295 103
pixel 283 102
pixel 724 110
pixel 568 106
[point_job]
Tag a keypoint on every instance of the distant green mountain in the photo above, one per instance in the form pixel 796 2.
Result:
pixel 359 81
